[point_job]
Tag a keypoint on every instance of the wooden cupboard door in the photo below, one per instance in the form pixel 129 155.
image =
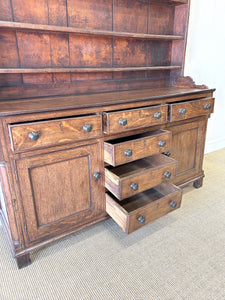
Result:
pixel 59 191
pixel 188 149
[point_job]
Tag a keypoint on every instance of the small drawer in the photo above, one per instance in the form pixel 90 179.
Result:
pixel 127 149
pixel 37 134
pixel 119 121
pixel 138 176
pixel 141 209
pixel 190 109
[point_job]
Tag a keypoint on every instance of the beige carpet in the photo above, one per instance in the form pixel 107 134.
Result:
pixel 180 256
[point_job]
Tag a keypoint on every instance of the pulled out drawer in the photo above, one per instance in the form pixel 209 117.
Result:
pixel 43 133
pixel 191 109
pixel 135 177
pixel 127 149
pixel 114 122
pixel 141 209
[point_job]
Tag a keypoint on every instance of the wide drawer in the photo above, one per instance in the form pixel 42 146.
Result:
pixel 31 135
pixel 143 208
pixel 125 120
pixel 127 149
pixel 190 109
pixel 135 177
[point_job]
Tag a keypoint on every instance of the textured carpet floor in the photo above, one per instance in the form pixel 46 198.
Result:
pixel 180 256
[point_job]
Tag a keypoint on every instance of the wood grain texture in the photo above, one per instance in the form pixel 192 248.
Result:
pixel 5 10
pixel 192 109
pixel 54 132
pixel 161 19
pixel 135 118
pixel 141 145
pixel 53 193
pixel 146 173
pixel 151 205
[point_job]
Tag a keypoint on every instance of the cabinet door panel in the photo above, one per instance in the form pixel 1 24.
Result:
pixel 59 191
pixel 188 149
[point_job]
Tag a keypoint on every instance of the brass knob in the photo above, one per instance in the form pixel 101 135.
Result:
pixel 97 175
pixel 141 219
pixel 134 186
pixel 128 152
pixel 207 106
pixel 123 122
pixel 182 111
pixel 157 115
pixel 167 174
pixel 173 204
pixel 34 136
pixel 87 127
pixel 162 143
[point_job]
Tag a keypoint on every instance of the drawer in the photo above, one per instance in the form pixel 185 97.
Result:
pixel 37 134
pixel 127 149
pixel 119 121
pixel 190 109
pixel 141 209
pixel 138 176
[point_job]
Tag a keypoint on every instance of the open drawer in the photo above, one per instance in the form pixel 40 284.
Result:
pixel 127 180
pixel 130 148
pixel 143 208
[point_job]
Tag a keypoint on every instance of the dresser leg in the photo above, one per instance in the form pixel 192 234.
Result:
pixel 198 183
pixel 23 261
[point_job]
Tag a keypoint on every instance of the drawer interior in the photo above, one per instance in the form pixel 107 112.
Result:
pixel 145 198
pixel 136 137
pixel 141 165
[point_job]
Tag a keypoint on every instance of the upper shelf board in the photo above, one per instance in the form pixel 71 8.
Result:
pixel 81 31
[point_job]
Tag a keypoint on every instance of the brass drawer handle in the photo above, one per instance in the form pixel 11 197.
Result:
pixel 162 143
pixel 87 127
pixel 34 136
pixel 207 106
pixel 123 122
pixel 134 186
pixel 128 152
pixel 157 115
pixel 173 204
pixel 141 219
pixel 182 111
pixel 97 175
pixel 167 174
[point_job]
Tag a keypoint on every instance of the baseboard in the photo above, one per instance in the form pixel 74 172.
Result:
pixel 214 145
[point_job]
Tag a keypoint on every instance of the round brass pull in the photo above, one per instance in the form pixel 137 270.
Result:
pixel 141 219
pixel 134 186
pixel 87 127
pixel 182 111
pixel 207 106
pixel 162 143
pixel 128 152
pixel 97 175
pixel 123 122
pixel 34 136
pixel 157 115
pixel 167 174
pixel 173 204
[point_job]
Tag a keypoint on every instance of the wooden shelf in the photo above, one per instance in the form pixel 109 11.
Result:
pixel 171 2
pixel 64 29
pixel 88 70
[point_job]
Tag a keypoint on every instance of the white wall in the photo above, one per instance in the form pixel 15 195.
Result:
pixel 205 61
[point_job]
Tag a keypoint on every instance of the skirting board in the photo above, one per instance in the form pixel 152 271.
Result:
pixel 214 145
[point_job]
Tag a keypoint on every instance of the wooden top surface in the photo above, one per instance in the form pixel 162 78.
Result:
pixel 56 103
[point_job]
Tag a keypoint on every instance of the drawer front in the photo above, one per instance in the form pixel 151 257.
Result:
pixel 137 148
pixel 130 179
pixel 137 211
pixel 190 109
pixel 114 122
pixel 31 135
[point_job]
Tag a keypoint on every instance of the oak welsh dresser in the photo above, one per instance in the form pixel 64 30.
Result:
pixel 96 117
